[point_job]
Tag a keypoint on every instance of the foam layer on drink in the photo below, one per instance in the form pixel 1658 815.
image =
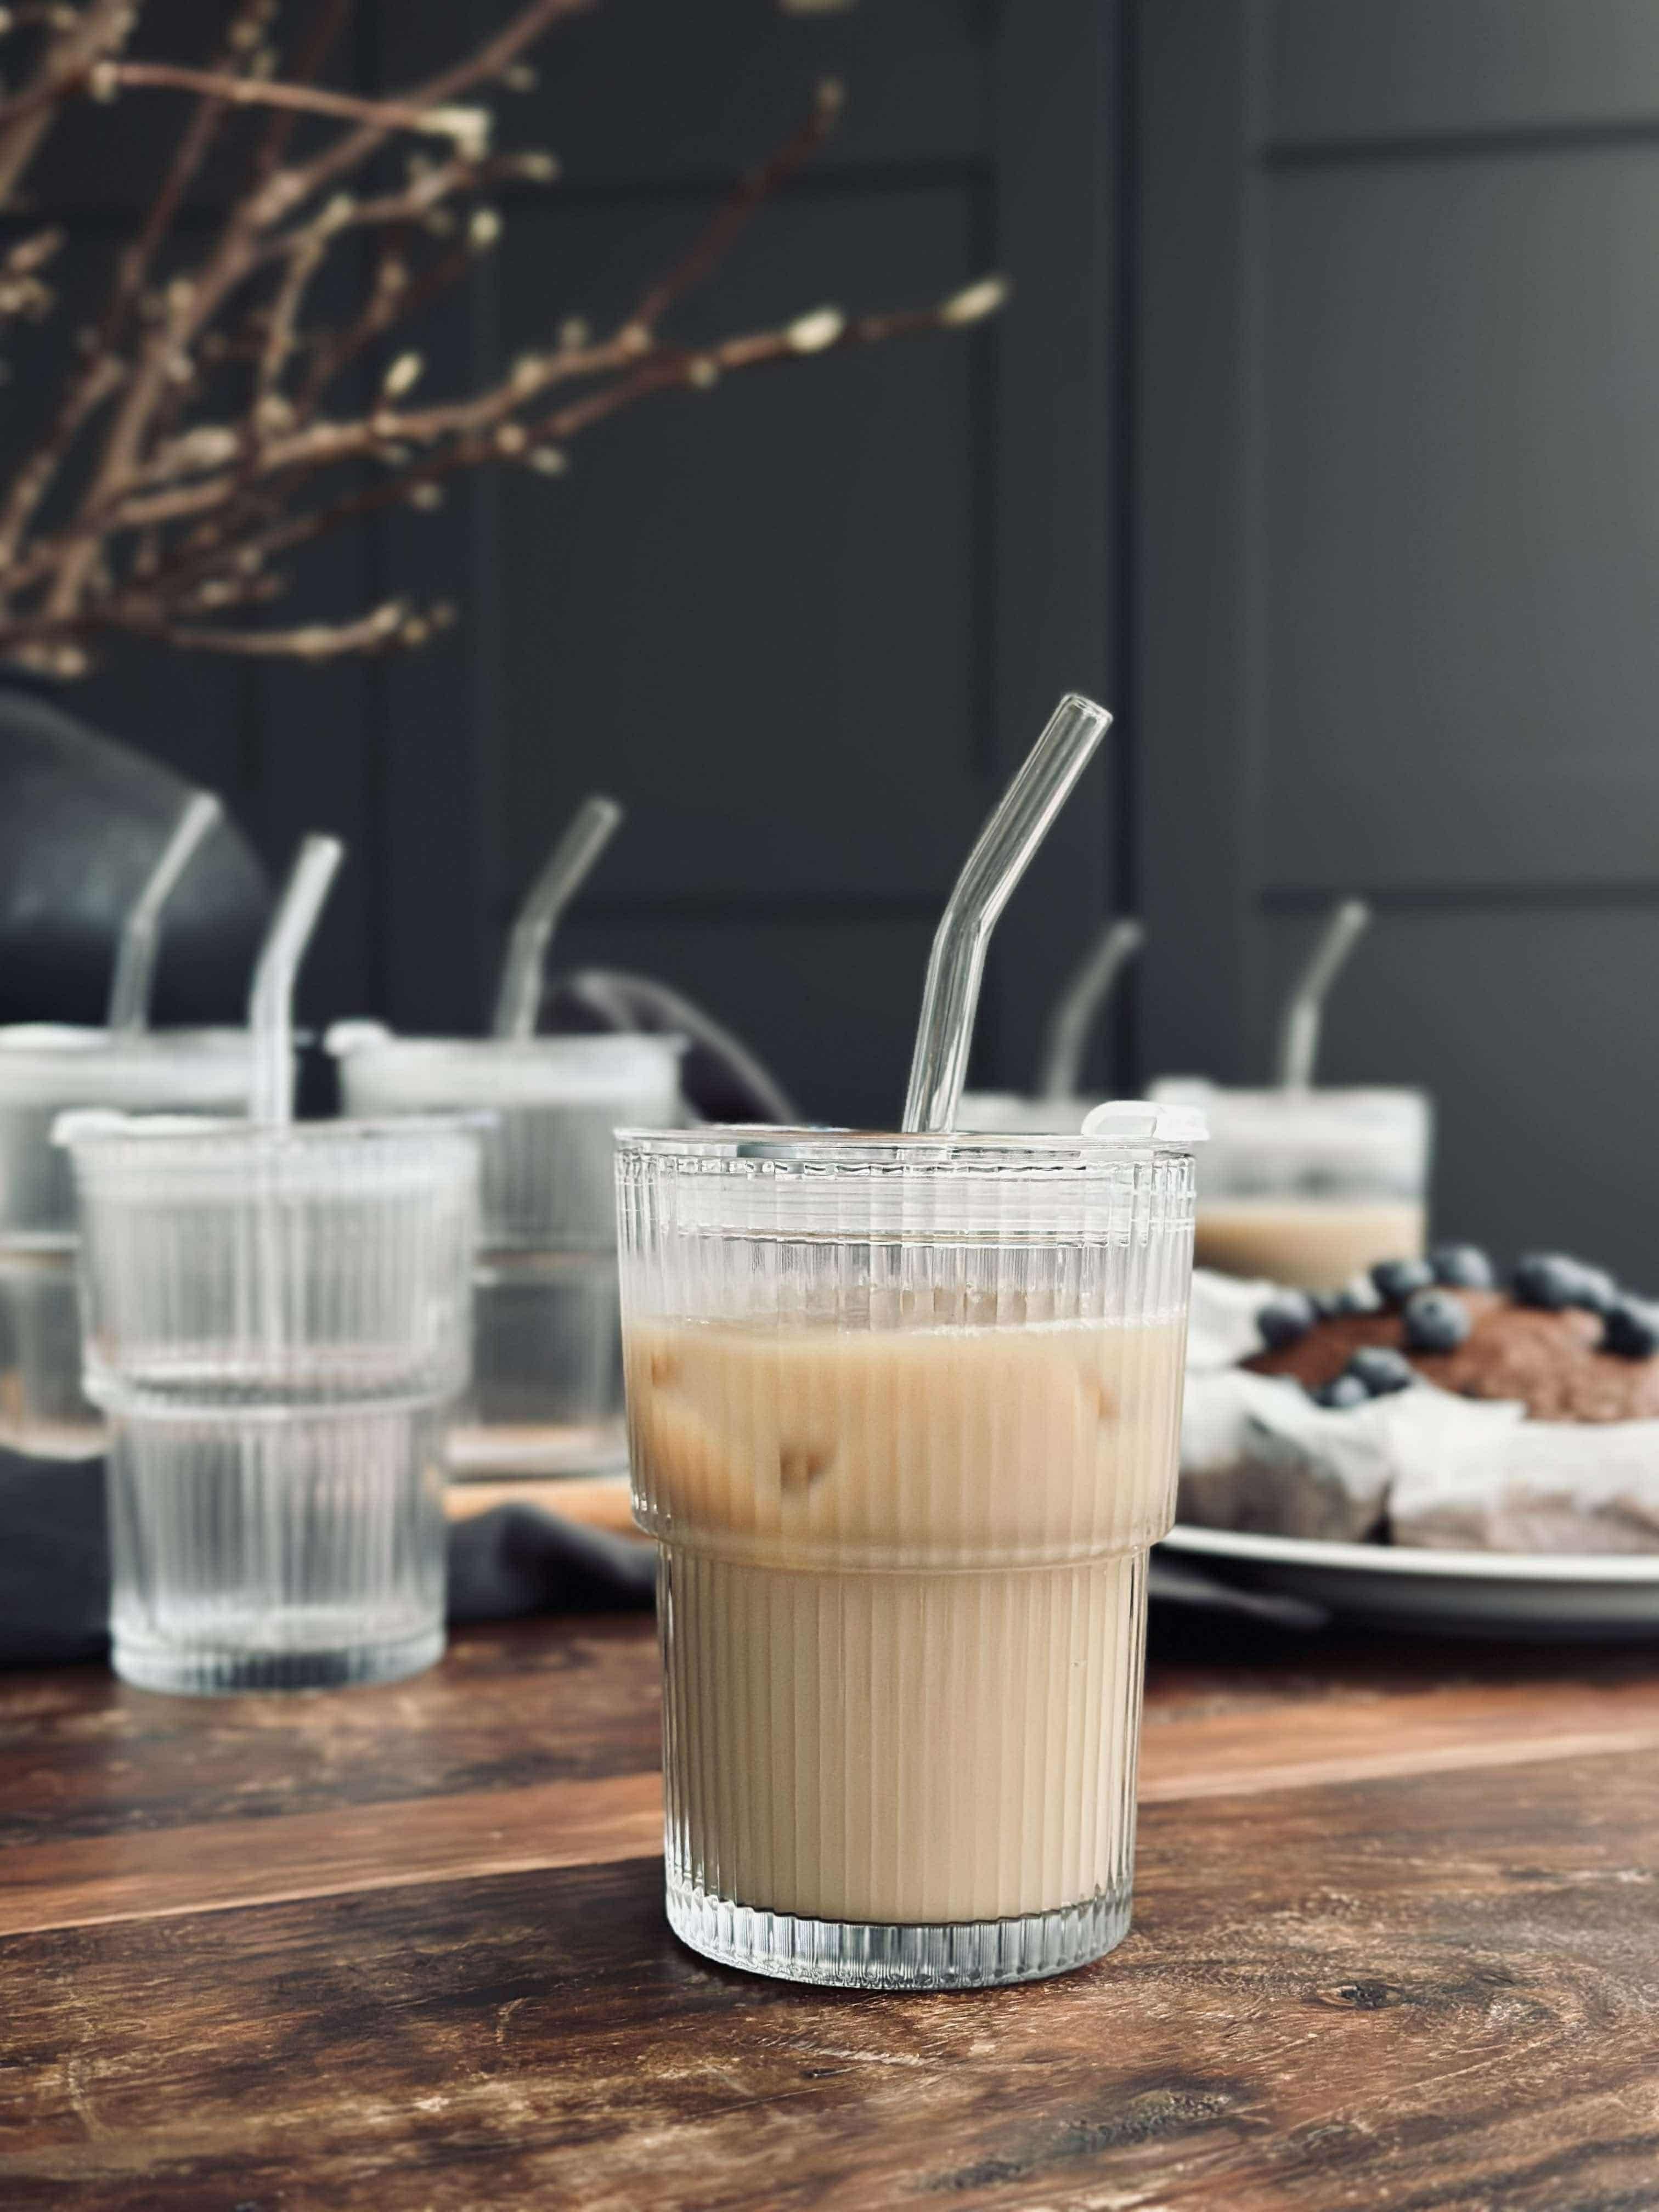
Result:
pixel 1311 1243
pixel 903 1605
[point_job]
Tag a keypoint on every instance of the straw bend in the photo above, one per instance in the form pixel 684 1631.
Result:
pixel 271 1004
pixel 566 869
pixel 1299 1035
pixel 1079 1007
pixel 998 860
pixel 140 940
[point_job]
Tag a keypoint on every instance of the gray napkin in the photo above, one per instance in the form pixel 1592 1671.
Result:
pixel 504 1564
pixel 54 1563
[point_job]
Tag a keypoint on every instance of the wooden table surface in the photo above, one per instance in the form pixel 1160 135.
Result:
pixel 1396 1943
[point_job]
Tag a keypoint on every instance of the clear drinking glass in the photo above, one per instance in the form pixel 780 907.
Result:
pixel 1309 1188
pixel 46 1068
pixel 903 1413
pixel 547 1392
pixel 277 1322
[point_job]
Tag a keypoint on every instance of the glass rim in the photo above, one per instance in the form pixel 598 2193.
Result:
pixel 802 1145
pixel 220 1134
pixel 351 1040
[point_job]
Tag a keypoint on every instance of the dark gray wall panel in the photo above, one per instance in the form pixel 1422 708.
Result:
pixel 751 613
pixel 1340 69
pixel 1461 521
pixel 1532 1030
pixel 1191 509
pixel 636 89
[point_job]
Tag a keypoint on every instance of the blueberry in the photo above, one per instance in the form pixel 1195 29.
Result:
pixel 1341 1392
pixel 1598 1293
pixel 1327 1304
pixel 1395 1279
pixel 1553 1281
pixel 1463 1266
pixel 1631 1329
pixel 1285 1318
pixel 1381 1371
pixel 1358 1298
pixel 1436 1321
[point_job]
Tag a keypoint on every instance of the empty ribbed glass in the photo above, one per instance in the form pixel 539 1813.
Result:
pixel 547 1393
pixel 45 1067
pixel 904 1416
pixel 277 1324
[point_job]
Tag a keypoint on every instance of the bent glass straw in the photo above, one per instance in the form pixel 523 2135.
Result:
pixel 564 873
pixel 998 860
pixel 1079 1007
pixel 270 1003
pixel 140 940
pixel 1298 1031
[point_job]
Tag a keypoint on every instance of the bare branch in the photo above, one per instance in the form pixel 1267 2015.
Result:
pixel 286 189
pixel 467 127
pixel 716 240
pixel 374 632
pixel 103 28
pixel 184 515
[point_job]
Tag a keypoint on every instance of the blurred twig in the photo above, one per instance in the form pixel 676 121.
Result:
pixel 191 445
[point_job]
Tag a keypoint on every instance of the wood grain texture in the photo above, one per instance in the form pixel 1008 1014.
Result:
pixel 81 1754
pixel 1395 1944
pixel 1439 1996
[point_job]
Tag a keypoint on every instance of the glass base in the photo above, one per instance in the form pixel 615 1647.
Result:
pixel 206 1670
pixel 972 1954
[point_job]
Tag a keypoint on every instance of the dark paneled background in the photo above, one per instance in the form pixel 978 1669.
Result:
pixel 802 625
pixel 1320 440
pixel 1398 472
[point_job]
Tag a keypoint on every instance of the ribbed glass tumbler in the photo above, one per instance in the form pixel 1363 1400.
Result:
pixel 547 1387
pixel 903 1414
pixel 45 1069
pixel 276 1325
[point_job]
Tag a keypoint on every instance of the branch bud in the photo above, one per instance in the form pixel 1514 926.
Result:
pixel 468 126
pixel 974 303
pixel 403 375
pixel 810 333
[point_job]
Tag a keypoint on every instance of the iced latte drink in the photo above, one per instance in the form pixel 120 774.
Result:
pixel 903 1416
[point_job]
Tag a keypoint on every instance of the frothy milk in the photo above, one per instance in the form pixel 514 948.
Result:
pixel 1311 1243
pixel 904 1605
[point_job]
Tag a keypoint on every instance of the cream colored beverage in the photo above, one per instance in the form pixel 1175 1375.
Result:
pixel 1312 1244
pixel 907 1591
pixel 903 1418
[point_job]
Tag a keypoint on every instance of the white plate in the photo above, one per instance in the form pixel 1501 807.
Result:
pixel 1579 1596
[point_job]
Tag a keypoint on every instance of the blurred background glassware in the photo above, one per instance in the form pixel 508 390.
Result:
pixel 47 1068
pixel 44 1071
pixel 1059 1104
pixel 277 1327
pixel 1307 1187
pixel 82 819
pixel 547 1390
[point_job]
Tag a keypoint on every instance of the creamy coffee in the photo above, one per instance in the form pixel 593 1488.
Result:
pixel 904 1582
pixel 1311 1243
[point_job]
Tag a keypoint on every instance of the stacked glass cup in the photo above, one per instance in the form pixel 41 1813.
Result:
pixel 276 1328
